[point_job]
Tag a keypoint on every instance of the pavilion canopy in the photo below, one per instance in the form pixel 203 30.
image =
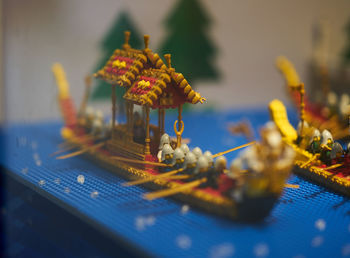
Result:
pixel 148 81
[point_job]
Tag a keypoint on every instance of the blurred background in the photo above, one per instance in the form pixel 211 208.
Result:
pixel 225 49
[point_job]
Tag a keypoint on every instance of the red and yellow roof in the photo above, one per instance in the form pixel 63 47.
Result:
pixel 147 79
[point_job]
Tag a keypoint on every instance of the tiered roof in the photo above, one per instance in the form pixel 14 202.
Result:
pixel 147 79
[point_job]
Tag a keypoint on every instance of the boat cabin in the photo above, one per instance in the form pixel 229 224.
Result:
pixel 151 84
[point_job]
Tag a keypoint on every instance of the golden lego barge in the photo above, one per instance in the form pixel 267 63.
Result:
pixel 130 149
pixel 336 175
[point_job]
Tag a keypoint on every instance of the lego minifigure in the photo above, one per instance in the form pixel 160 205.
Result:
pixel 202 165
pixel 99 115
pixel 325 136
pixel 107 130
pixel 89 116
pixel 178 159
pixel 190 163
pixel 165 139
pixel 337 150
pixel 214 172
pixel 184 148
pixel 237 177
pixel 315 146
pixel 202 171
pixel 220 164
pixel 97 127
pixel 332 101
pixel 235 174
pixel 197 151
pixel 326 152
pixel 167 157
pixel 344 107
pixel 209 157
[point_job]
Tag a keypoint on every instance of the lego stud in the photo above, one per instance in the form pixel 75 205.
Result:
pixel 146 40
pixel 168 59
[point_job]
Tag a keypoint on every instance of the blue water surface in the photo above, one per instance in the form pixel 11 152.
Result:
pixel 307 222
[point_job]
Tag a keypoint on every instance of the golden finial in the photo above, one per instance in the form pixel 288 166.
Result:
pixel 168 59
pixel 146 40
pixel 126 39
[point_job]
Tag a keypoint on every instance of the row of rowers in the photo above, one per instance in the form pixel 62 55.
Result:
pixel 323 144
pixel 94 122
pixel 195 162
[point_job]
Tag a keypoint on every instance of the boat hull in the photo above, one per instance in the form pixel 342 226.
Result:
pixel 247 210
pixel 251 209
pixel 324 178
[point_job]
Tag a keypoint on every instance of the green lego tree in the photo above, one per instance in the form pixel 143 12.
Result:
pixel 115 39
pixel 192 51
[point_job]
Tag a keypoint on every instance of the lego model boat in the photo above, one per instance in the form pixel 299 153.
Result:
pixel 323 154
pixel 327 114
pixel 144 154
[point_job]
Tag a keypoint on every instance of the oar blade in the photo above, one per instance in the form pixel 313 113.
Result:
pixel 233 149
pixel 172 191
pixel 152 178
pixel 292 186
pixel 81 151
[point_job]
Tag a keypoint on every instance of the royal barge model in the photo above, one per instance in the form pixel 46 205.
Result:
pixel 323 152
pixel 144 154
pixel 328 113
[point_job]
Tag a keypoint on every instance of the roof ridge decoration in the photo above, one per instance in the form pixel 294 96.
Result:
pixel 156 60
pixel 192 95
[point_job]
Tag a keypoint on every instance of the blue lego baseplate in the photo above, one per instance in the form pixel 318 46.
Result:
pixel 307 222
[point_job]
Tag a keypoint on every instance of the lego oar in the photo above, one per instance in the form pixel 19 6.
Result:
pixel 82 138
pixel 172 191
pixel 68 148
pixel 309 161
pixel 64 144
pixel 152 178
pixel 178 177
pixel 82 151
pixel 333 166
pixel 233 149
pixel 140 161
pixel 291 186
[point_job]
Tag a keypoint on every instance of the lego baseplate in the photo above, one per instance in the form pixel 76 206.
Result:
pixel 309 221
pixel 325 178
pixel 35 226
